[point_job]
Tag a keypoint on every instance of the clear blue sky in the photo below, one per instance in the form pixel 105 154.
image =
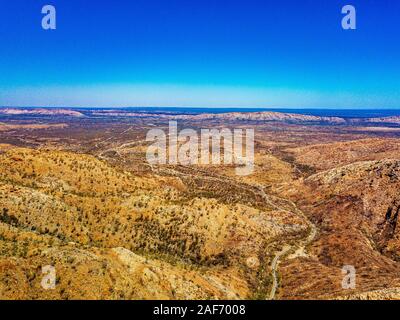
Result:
pixel 270 53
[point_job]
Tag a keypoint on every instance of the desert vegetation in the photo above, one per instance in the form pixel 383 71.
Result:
pixel 79 195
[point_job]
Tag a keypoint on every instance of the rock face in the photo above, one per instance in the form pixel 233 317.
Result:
pixel 388 226
pixel 355 208
pixel 374 185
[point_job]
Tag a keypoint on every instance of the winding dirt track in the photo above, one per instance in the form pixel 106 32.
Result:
pixel 274 266
pixel 287 249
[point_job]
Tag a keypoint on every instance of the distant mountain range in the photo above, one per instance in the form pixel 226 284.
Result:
pixel 41 112
pixel 267 116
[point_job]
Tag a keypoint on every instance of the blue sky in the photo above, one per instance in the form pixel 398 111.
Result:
pixel 204 53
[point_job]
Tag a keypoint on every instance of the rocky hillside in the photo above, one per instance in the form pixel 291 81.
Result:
pixel 355 208
pixel 112 234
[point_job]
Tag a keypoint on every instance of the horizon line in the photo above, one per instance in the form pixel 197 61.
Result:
pixel 200 107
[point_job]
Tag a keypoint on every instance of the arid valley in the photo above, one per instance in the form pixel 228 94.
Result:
pixel 77 193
